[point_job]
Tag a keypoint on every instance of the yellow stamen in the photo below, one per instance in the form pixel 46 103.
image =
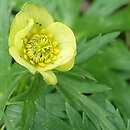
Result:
pixel 34 31
pixel 32 62
pixel 54 44
pixel 39 49
pixel 29 53
pixel 41 59
pixel 55 51
pixel 25 40
pixel 51 56
pixel 28 35
pixel 43 31
pixel 24 50
pixel 25 56
pixel 54 58
pixel 50 36
pixel 28 46
pixel 41 64
pixel 48 61
pixel 35 59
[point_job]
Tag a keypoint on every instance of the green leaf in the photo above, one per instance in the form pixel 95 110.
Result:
pixel 128 125
pixel 47 121
pixel 118 55
pixel 91 26
pixel 114 73
pixel 96 113
pixel 93 46
pixel 87 123
pixel 75 118
pixel 106 7
pixel 80 72
pixel 28 112
pixel 5 59
pixel 22 114
pixel 36 95
pixel 13 114
pixel 116 119
pixel 81 84
pixel 50 5
pixel 7 94
pixel 55 104
pixel 67 11
pixel 8 123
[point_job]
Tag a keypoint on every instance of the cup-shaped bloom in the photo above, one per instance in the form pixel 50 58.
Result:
pixel 40 44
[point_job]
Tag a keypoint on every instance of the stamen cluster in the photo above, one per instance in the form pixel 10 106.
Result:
pixel 40 48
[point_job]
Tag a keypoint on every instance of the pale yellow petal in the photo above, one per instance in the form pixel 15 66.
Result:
pixel 29 11
pixel 66 44
pixel 15 54
pixel 48 76
pixel 67 66
pixel 21 34
pixel 38 13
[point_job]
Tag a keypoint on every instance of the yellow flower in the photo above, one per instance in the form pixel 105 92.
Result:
pixel 40 44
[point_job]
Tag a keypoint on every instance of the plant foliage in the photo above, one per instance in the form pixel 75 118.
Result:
pixel 95 94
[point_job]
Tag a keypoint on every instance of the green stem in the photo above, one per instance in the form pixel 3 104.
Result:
pixel 128 39
pixel 3 127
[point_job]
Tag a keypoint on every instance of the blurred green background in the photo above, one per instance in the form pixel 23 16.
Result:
pixel 95 94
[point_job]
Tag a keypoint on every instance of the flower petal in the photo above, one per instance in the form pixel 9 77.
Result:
pixel 67 66
pixel 15 54
pixel 48 76
pixel 38 13
pixel 66 44
pixel 21 34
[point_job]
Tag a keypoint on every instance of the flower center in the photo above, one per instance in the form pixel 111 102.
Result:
pixel 40 48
